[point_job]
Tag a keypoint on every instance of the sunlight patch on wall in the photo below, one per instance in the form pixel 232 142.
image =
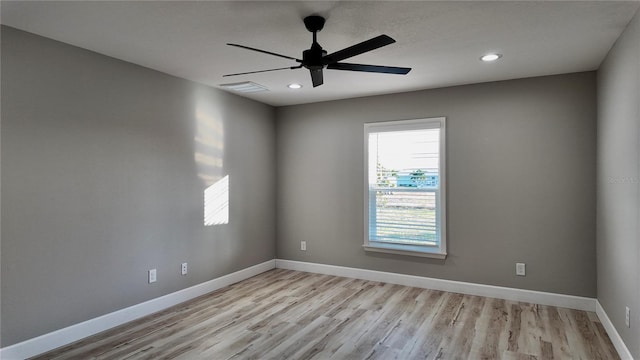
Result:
pixel 208 155
pixel 208 160
pixel 208 139
pixel 216 203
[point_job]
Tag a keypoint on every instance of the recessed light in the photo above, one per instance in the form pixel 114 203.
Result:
pixel 294 86
pixel 491 57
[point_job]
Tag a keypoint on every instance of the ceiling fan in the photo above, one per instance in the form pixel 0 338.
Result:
pixel 316 59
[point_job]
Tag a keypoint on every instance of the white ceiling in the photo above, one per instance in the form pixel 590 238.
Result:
pixel 442 41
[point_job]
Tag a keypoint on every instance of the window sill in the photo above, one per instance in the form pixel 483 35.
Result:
pixel 405 250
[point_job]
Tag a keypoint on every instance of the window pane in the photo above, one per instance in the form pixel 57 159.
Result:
pixel 404 186
pixel 404 158
pixel 405 216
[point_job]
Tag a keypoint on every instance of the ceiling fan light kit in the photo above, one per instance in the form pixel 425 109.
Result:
pixel 316 59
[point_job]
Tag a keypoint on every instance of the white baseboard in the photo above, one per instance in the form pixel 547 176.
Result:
pixel 615 337
pixel 87 328
pixel 536 297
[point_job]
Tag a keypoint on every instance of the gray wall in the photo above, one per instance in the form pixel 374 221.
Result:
pixel 104 164
pixel 521 182
pixel 618 236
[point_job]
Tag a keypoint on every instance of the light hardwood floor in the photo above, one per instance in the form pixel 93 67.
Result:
pixel 284 314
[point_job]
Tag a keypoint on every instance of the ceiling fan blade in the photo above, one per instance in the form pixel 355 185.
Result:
pixel 265 52
pixel 261 71
pixel 316 77
pixel 369 68
pixel 357 49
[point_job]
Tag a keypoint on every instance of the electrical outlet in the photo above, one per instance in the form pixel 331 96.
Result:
pixel 520 269
pixel 303 245
pixel 627 316
pixel 184 269
pixel 152 276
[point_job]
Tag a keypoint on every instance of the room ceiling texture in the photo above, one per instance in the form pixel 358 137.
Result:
pixel 441 41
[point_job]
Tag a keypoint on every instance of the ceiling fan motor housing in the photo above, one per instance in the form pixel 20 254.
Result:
pixel 312 59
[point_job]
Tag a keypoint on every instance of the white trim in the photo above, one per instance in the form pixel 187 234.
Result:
pixel 536 297
pixel 615 337
pixel 441 192
pixel 403 250
pixel 61 337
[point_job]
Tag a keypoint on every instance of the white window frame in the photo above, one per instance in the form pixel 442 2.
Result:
pixel 440 250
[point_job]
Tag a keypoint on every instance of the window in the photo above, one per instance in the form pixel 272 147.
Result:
pixel 405 187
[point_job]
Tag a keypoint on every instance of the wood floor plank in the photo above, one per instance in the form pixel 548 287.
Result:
pixel 319 347
pixel 556 327
pixel 411 321
pixel 530 330
pixel 457 345
pixel 268 342
pixel 286 314
pixel 511 355
pixel 514 328
pixel 496 311
pixel 432 332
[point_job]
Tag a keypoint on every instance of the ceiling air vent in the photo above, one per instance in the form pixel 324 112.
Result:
pixel 245 87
